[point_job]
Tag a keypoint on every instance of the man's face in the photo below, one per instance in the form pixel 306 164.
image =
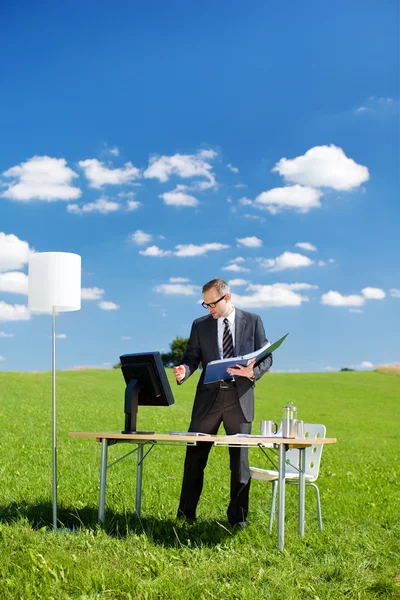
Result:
pixel 222 308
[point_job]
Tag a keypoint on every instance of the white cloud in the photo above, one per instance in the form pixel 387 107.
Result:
pixel 107 305
pixel 178 288
pixel 184 166
pixel 302 286
pixel 375 105
pixel 395 293
pixel 356 310
pixel 98 174
pixel 198 250
pixel 155 251
pixel 239 259
pixel 61 336
pixel 126 337
pixel 207 154
pixel 323 166
pixel 321 263
pixel 245 201
pixel 232 168
pixel 14 312
pixel 236 268
pixel 104 365
pixel 292 197
pixel 306 246
pixel 140 237
pixel 178 198
pixel 287 260
pixel 114 151
pixel 41 178
pixel 278 294
pixel 332 298
pixel 372 293
pixel 2 358
pixel 366 365
pixel 14 253
pixel 240 185
pixel 129 194
pixel 91 293
pixel 179 279
pixel 250 242
pixel 330 369
pixel 14 282
pixel 236 282
pixel 103 205
pixel 3 334
pixel 133 205
pixel 255 217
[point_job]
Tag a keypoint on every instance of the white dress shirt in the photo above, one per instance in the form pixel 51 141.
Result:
pixel 221 327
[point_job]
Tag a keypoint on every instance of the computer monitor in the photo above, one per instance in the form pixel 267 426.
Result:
pixel 146 385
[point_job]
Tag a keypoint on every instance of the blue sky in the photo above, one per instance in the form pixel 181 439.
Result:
pixel 171 143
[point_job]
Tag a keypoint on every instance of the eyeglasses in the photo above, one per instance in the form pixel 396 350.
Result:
pixel 212 304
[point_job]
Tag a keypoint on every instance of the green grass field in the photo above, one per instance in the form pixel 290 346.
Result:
pixel 156 557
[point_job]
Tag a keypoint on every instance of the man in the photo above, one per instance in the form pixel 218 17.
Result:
pixel 225 332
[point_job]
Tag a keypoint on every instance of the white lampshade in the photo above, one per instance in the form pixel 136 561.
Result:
pixel 54 282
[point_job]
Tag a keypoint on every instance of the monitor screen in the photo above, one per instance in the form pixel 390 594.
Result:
pixel 148 371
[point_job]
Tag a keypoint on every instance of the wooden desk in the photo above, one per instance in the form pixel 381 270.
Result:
pixel 152 439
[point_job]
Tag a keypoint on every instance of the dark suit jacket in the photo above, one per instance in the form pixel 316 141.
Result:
pixel 203 347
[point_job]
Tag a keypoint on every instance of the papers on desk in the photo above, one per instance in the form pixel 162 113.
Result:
pixel 187 433
pixel 251 435
pixel 216 369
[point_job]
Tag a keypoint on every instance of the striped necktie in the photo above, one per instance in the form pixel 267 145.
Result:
pixel 227 341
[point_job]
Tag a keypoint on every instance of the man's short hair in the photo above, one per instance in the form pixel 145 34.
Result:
pixel 217 284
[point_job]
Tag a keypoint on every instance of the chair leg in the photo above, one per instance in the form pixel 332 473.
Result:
pixel 319 514
pixel 273 504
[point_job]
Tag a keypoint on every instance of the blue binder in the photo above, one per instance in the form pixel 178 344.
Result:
pixel 216 369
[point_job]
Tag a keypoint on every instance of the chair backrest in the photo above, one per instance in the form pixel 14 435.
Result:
pixel 313 453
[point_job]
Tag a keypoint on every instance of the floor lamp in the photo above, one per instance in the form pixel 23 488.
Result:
pixel 54 285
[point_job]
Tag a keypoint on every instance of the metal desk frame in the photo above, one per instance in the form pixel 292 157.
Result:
pixel 141 440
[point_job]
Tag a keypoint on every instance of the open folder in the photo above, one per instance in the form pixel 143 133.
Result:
pixel 216 369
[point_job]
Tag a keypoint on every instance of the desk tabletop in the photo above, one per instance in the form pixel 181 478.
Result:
pixel 254 440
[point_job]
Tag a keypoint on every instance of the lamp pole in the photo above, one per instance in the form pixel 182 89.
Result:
pixel 54 453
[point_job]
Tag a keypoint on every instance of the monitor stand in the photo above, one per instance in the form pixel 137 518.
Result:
pixel 131 408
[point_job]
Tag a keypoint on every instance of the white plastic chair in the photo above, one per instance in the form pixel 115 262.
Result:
pixel 313 461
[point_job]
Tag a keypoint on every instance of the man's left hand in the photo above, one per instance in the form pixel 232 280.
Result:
pixel 241 371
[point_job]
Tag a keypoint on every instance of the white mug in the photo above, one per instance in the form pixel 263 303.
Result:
pixel 267 428
pixel 299 428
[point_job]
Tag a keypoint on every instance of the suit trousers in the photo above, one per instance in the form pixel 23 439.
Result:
pixel 225 409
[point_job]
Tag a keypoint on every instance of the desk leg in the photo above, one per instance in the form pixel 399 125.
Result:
pixel 139 479
pixel 302 488
pixel 103 478
pixel 281 501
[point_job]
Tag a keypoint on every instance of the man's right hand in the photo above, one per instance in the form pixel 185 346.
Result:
pixel 179 372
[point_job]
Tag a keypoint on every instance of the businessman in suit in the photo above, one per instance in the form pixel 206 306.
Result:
pixel 225 332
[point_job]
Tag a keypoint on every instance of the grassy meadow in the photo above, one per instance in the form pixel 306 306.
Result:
pixel 156 557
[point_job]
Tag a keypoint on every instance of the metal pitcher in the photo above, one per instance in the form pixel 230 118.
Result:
pixel 289 421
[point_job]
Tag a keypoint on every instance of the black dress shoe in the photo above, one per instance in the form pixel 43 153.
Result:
pixel 241 524
pixel 187 517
